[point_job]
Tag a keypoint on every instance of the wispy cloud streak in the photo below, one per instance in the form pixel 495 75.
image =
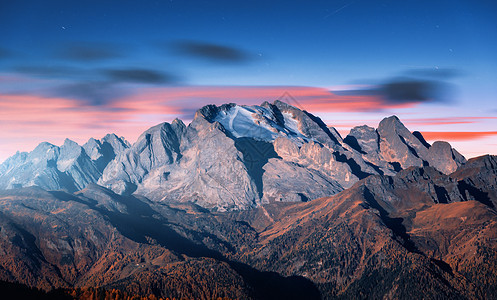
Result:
pixel 457 135
pixel 28 119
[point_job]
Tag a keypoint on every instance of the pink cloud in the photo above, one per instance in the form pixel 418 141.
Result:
pixel 26 120
pixel 446 121
pixel 457 136
pixel 179 99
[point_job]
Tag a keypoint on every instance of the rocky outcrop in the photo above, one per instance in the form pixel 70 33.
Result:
pixel 225 159
pixel 105 150
pixel 392 147
pixel 211 172
pixel 477 179
pixel 67 167
pixel 155 149
pixel 50 167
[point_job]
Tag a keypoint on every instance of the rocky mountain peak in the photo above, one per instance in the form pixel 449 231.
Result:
pixel 178 122
pixel 399 146
pixel 209 112
pixel 392 125
pixel 364 139
pixel 117 143
pixel 45 150
pixel 486 162
pixel 70 143
pixel 102 151
pixel 155 148
pixel 70 151
pixel 283 106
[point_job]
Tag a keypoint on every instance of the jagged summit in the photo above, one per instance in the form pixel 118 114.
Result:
pixel 70 167
pixel 155 148
pixel 232 157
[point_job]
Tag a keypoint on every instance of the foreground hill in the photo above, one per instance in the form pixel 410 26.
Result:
pixel 419 233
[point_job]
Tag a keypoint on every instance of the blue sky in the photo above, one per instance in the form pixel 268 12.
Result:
pixel 96 53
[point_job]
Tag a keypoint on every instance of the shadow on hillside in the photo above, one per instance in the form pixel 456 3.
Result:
pixel 466 189
pixel 145 222
pixel 395 224
pixel 11 290
pixel 354 167
pixel 255 155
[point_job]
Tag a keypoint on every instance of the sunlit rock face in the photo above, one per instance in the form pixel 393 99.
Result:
pixel 105 150
pixel 393 144
pixel 156 149
pixel 232 157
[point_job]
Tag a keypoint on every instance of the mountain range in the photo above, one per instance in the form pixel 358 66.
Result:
pixel 253 202
pixel 230 158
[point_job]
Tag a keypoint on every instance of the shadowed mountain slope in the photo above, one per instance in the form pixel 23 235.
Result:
pixel 420 233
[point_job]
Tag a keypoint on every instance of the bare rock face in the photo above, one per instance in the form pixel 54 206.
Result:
pixel 307 124
pixel 477 179
pixel 210 173
pixel 50 167
pixel 300 184
pixel 444 158
pixel 74 162
pixel 67 167
pixel 35 168
pixel 155 148
pixel 398 144
pixel 221 160
pixel 364 139
pixel 105 150
pixel 393 147
pixel 317 157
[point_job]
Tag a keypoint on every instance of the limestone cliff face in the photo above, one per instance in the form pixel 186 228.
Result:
pixel 211 172
pixel 105 150
pixel 392 147
pixel 67 167
pixel 156 148
pixel 226 160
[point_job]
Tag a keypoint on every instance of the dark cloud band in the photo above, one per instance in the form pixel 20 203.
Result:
pixel 210 51
pixel 87 52
pixel 138 76
pixel 412 89
pixel 436 72
pixel 91 93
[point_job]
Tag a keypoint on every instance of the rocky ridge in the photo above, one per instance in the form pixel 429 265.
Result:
pixel 70 167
